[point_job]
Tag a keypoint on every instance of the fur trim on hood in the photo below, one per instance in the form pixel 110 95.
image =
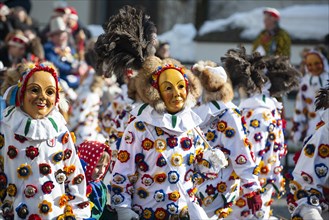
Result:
pixel 216 85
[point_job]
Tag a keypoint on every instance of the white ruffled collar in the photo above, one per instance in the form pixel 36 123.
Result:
pixel 260 100
pixel 34 129
pixel 180 122
pixel 209 110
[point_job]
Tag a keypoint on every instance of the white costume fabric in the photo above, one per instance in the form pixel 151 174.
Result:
pixel 223 129
pixel 309 189
pixel 84 120
pixel 157 158
pixel 42 173
pixel 114 121
pixel 262 118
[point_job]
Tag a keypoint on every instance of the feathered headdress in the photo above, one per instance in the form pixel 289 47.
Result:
pixel 129 43
pixel 252 72
pixel 322 98
pixel 246 71
pixel 128 38
pixel 283 76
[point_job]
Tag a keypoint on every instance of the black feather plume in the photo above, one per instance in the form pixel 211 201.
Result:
pixel 126 42
pixel 245 70
pixel 284 77
pixel 322 98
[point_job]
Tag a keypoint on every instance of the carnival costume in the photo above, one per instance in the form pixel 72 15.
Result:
pixel 42 175
pixel 263 79
pixel 305 117
pixel 160 150
pixel 309 188
pixel 223 129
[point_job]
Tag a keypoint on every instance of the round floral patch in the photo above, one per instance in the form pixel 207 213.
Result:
pixel 211 136
pixel 22 210
pixel 160 178
pixel 161 161
pixel 160 213
pixel 254 123
pixel 221 187
pixel 147 144
pixel 309 150
pixel 24 171
pixel 117 199
pixel 159 195
pixel 221 126
pixel 172 208
pixel 176 159
pixel 148 213
pixel 174 196
pixel 147 180
pixel 123 156
pixel 323 150
pixel 160 145
pixel 140 126
pixel 173 177
pixel 186 143
pixel 142 193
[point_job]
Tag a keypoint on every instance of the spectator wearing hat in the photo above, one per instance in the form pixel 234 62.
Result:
pixel 62 11
pixel 14 50
pixel 26 4
pixel 58 51
pixel 273 40
pixel 80 33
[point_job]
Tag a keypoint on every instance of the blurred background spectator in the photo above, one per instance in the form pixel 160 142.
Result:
pixel 26 4
pixel 273 40
pixel 163 50
pixel 15 48
pixel 5 24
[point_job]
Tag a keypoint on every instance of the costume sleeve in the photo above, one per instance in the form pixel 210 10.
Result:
pixel 209 161
pixel 124 171
pixel 236 142
pixel 309 185
pixel 77 186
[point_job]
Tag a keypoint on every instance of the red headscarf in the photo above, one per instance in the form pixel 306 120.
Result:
pixel 90 152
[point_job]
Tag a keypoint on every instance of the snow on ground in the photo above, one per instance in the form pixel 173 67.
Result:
pixel 301 22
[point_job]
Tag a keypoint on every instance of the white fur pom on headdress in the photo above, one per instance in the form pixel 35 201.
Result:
pixel 216 86
pixel 218 71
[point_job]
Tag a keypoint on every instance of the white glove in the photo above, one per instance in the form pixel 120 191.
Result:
pixel 125 213
pixel 308 212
